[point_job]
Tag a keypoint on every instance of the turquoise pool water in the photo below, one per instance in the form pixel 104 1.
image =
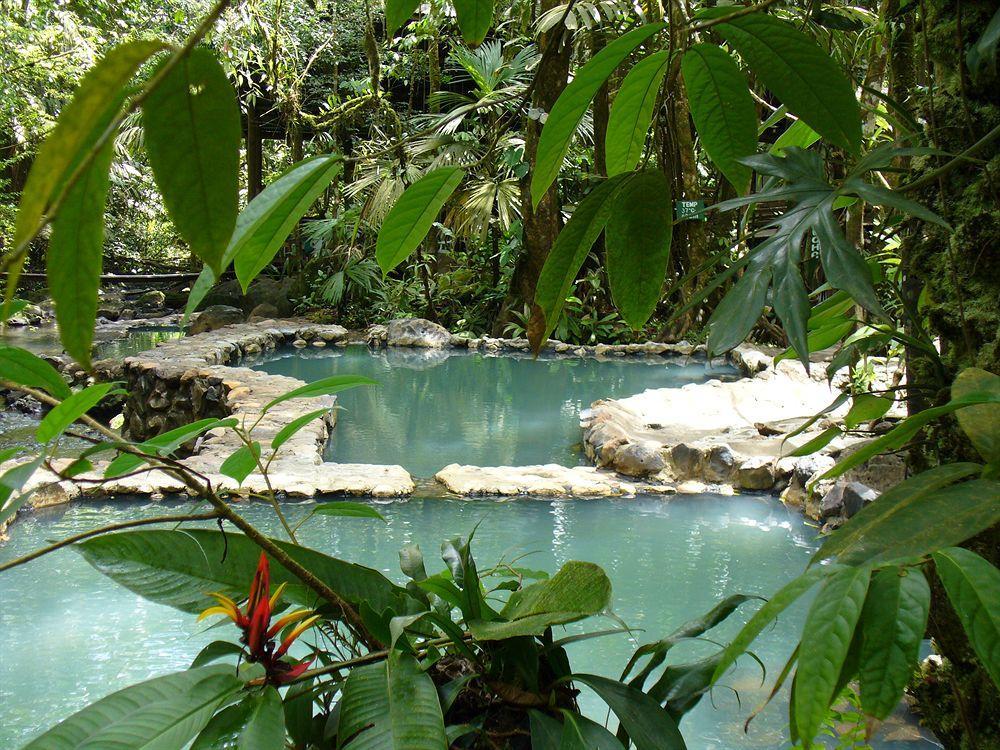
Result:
pixel 70 636
pixel 439 407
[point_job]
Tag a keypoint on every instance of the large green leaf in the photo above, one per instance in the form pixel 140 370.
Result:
pixel 892 627
pixel 722 109
pixel 475 17
pixel 68 411
pixel 241 462
pixel 73 260
pixel 192 129
pixel 578 590
pixel 164 444
pixel 264 225
pixel 566 257
pixel 81 123
pixel 800 73
pixel 648 724
pixel 179 567
pixel 286 432
pixel 413 214
pixel 21 367
pixel 632 112
pixel 574 733
pixel 738 311
pixel 980 423
pixel 398 12
pixel 391 706
pixel 164 713
pixel 920 521
pixel 785 597
pixel 829 627
pixel 572 104
pixel 255 723
pixel 973 586
pixel 845 543
pixel 797 134
pixel 637 240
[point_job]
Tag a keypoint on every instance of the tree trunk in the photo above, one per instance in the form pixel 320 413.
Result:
pixel 255 152
pixel 958 269
pixel 541 225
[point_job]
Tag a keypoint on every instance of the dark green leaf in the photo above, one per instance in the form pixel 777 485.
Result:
pixel 264 225
pixel 638 238
pixel 12 481
pixel 413 214
pixel 797 134
pixel 21 367
pixel 829 627
pixel 572 104
pixel 216 650
pixel 786 595
pixel 192 130
pixel 12 308
pixel 892 628
pixel 800 73
pixel 397 13
pixel 71 409
pixel 722 109
pixel 324 387
pixel 984 51
pixel 177 568
pixel 632 112
pixel 163 712
pixel 739 310
pixel 475 17
pixel 392 704
pixel 973 586
pixel 201 287
pixel 882 196
pixel 817 443
pixel 73 260
pixel 648 725
pixel 566 257
pixel 980 423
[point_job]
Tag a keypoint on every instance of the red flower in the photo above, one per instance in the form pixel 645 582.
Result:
pixel 258 632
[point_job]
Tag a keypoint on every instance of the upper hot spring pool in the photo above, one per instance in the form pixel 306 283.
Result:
pixel 436 407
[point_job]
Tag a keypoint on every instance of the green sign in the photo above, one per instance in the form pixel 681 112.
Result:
pixel 690 211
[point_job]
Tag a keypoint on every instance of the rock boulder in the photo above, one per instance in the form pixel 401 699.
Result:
pixel 417 332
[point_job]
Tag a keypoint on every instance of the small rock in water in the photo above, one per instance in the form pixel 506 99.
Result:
pixel 639 459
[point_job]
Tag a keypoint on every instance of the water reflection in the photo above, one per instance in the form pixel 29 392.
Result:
pixel 436 407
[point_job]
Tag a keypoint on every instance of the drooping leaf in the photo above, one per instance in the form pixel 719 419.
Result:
pixel 255 723
pixel 199 289
pixel 397 13
pixel 241 463
pixel 649 726
pixel 177 568
pixel 347 510
pixel 475 17
pixel 566 257
pixel 980 423
pixel 192 129
pixel 81 123
pixel 264 225
pixel 916 518
pixel 722 109
pixel 324 387
pixel 164 712
pixel 800 73
pixel 21 367
pixel 572 104
pixel 632 112
pixel 866 407
pixel 574 733
pixel 973 586
pixel 830 627
pixel 785 597
pixel 216 650
pixel 286 432
pixel 163 444
pixel 413 214
pixel 13 480
pixel 391 706
pixel 637 240
pixel 892 627
pixel 739 310
pixel 69 410
pixel 578 590
pixel 74 257
pixel 882 196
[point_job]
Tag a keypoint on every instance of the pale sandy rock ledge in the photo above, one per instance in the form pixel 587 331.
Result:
pixel 732 433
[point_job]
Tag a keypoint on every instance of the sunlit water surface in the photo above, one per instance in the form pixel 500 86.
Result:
pixel 70 636
pixel 436 407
